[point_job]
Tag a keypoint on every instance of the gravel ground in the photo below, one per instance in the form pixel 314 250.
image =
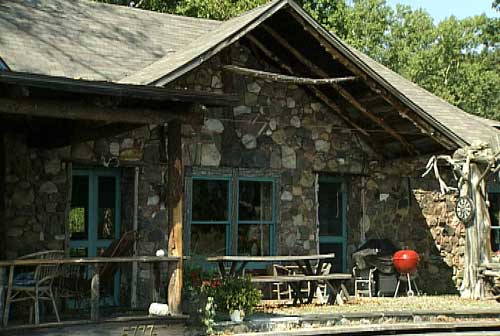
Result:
pixel 445 303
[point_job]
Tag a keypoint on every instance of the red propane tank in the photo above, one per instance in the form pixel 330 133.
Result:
pixel 405 261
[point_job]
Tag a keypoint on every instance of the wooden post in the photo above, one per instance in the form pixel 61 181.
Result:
pixel 3 286
pixel 175 212
pixel 477 238
pixel 3 227
pixel 67 210
pixel 94 294
pixel 133 300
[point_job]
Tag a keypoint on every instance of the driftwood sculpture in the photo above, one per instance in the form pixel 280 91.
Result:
pixel 471 167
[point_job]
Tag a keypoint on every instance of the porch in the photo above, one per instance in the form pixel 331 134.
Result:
pixel 85 200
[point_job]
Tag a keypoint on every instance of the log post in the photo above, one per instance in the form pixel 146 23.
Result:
pixel 175 189
pixel 477 238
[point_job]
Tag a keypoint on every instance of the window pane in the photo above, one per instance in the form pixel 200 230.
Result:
pixel 78 252
pixel 495 240
pixel 255 201
pixel 330 209
pixel 107 205
pixel 253 239
pixel 79 213
pixel 494 210
pixel 210 200
pixel 208 240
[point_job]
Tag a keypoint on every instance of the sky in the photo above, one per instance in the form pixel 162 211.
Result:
pixel 440 9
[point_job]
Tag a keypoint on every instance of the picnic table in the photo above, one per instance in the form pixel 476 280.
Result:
pixel 92 261
pixel 335 281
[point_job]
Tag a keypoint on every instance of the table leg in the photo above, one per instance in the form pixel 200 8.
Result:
pixel 222 270
pixel 297 293
pixel 240 269
pixel 233 269
pixel 312 283
pixel 94 294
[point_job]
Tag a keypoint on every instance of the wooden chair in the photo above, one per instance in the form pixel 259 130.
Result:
pixel 321 291
pixel 364 281
pixel 74 281
pixel 282 289
pixel 34 286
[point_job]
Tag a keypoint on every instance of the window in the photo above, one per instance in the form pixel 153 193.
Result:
pixel 231 216
pixel 494 199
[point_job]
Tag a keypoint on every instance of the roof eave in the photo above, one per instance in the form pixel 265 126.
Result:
pixel 145 92
pixel 195 62
pixel 455 138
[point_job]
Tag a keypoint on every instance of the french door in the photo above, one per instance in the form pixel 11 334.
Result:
pixel 94 218
pixel 332 215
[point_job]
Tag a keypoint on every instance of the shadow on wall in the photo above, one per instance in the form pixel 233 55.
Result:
pixel 412 214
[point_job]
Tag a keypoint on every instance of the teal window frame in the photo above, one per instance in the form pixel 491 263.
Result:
pixel 272 222
pixel 229 210
pixel 233 221
pixel 93 243
pixel 343 238
pixel 494 188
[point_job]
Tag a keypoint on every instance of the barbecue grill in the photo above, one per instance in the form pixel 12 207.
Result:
pixel 374 272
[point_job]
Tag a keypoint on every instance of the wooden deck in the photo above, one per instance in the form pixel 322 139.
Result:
pixel 113 329
pixel 145 326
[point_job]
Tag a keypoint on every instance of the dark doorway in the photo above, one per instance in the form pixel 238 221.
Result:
pixel 332 211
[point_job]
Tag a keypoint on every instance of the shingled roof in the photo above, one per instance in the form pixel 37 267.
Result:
pixel 84 39
pixel 89 40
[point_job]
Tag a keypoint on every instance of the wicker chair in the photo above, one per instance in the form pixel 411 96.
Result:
pixel 34 286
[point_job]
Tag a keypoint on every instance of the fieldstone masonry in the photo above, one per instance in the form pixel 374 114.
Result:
pixel 277 129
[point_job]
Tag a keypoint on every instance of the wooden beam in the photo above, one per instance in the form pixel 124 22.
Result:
pixel 315 90
pixel 85 111
pixel 343 92
pixel 77 134
pixel 402 109
pixel 275 77
pixel 147 92
pixel 175 212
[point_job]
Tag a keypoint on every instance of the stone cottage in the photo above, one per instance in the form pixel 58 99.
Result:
pixel 292 141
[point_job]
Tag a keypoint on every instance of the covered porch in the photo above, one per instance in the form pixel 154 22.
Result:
pixel 80 163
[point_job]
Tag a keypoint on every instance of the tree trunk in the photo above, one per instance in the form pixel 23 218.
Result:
pixel 477 234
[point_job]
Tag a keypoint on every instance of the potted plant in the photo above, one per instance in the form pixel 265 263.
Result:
pixel 237 296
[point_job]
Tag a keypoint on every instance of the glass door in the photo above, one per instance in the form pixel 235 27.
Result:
pixel 332 215
pixel 94 218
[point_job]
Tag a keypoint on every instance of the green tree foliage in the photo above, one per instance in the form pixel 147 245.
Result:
pixel 458 60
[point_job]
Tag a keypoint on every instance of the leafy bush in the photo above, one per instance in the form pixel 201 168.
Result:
pixel 236 293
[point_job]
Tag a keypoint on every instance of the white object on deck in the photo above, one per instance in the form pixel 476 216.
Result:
pixel 160 253
pixel 159 309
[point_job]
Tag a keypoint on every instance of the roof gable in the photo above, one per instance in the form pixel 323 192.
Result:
pixel 199 50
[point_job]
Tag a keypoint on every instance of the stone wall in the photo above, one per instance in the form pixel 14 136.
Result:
pixel 275 129
pixel 281 128
pixel 409 212
pixel 36 194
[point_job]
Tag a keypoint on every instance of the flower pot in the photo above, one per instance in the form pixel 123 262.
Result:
pixel 237 315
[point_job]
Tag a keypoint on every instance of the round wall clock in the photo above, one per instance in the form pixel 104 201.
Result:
pixel 464 209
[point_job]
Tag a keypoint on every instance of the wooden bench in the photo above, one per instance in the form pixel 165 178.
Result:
pixel 334 281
